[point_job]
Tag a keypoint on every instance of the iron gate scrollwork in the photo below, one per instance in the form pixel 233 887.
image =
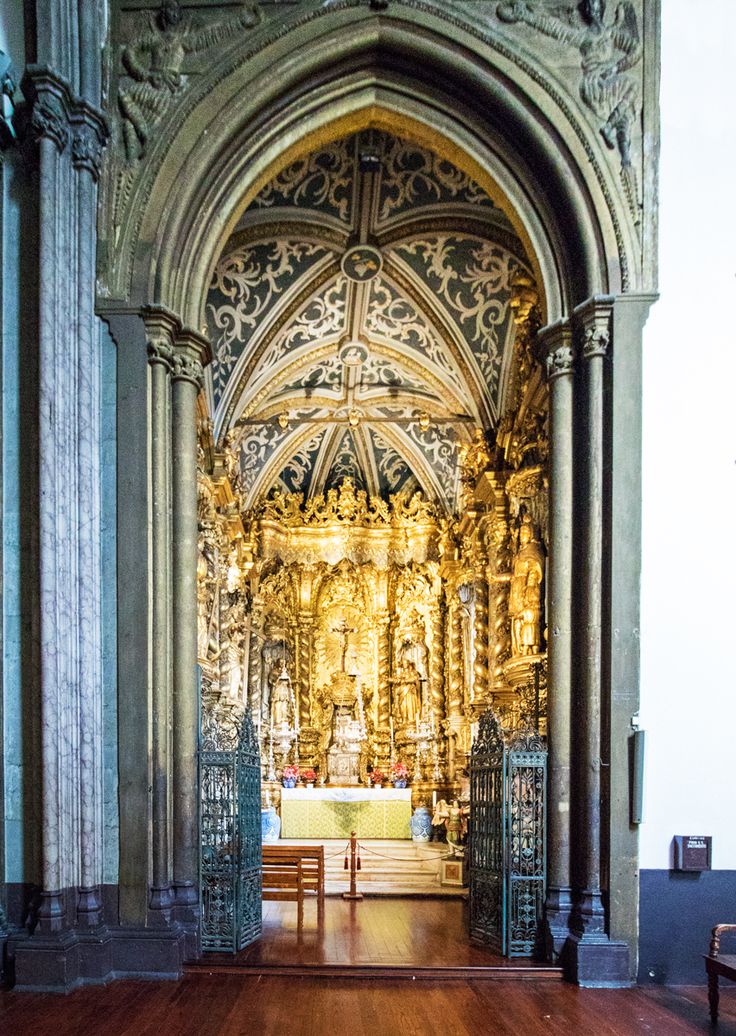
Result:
pixel 230 781
pixel 508 811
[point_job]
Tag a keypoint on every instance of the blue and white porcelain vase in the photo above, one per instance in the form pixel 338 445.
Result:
pixel 400 783
pixel 289 782
pixel 270 824
pixel 421 824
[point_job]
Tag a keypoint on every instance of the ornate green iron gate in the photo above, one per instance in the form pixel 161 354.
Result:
pixel 508 821
pixel 230 781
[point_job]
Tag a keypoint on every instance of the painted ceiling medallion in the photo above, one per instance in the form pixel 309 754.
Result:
pixel 353 354
pixel 362 263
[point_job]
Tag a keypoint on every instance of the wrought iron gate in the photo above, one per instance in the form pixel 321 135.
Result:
pixel 230 838
pixel 508 821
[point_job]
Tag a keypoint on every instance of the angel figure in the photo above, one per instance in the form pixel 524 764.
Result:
pixel 607 52
pixel 154 63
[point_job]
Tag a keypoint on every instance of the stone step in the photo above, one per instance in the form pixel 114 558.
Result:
pixel 388 867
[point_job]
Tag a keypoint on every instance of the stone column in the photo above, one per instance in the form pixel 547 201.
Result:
pixel 58 531
pixel 69 511
pixel 556 347
pixel 593 956
pixel 190 351
pixel 160 330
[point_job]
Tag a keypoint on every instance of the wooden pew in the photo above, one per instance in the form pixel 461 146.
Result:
pixel 312 865
pixel 717 963
pixel 284 880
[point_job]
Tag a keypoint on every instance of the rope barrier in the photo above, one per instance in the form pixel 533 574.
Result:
pixel 398 859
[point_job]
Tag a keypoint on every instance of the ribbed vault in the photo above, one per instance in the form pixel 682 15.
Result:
pixel 360 322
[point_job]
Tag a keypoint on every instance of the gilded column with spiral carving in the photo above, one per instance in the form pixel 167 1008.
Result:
pixel 437 662
pixel 500 574
pixel 384 656
pixel 480 637
pixel 456 679
pixel 304 652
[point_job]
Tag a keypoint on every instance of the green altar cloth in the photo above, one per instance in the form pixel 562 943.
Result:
pixel 335 812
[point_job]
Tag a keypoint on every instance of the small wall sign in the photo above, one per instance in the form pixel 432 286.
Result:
pixel 692 852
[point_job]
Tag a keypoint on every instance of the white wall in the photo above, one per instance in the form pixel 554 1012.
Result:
pixel 689 553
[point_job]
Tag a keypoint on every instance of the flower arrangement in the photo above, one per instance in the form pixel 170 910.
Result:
pixel 308 776
pixel 377 777
pixel 290 775
pixel 399 771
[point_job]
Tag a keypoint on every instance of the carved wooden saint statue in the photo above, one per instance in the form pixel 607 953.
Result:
pixel 281 701
pixel 525 597
pixel 410 693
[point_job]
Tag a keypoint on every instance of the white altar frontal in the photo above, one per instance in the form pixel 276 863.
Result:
pixel 335 812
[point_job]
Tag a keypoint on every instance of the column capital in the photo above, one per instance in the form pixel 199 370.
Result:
pixel 194 345
pixel 161 327
pixel 555 350
pixel 593 321
pixel 184 368
pixel 57 113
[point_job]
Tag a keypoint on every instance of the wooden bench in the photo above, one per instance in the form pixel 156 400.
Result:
pixel 284 880
pixel 718 964
pixel 310 862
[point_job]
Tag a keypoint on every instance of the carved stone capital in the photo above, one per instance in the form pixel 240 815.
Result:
pixel 186 368
pixel 58 114
pixel 48 119
pixel 554 349
pixel 160 350
pixel 559 362
pixel 593 323
pixel 161 328
pixel 87 148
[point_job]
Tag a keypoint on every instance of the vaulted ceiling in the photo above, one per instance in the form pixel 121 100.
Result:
pixel 360 322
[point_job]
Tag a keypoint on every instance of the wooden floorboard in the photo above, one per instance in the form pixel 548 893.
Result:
pixel 236 1005
pixel 412 933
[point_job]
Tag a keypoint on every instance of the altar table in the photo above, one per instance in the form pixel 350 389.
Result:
pixel 335 812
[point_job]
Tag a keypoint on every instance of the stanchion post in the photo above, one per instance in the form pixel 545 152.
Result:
pixel 353 893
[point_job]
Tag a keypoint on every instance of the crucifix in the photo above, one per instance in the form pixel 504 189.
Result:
pixel 344 630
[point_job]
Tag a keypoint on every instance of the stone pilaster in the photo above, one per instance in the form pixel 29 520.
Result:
pixel 190 352
pixel 556 348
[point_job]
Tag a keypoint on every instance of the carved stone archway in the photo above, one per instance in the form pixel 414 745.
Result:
pixel 467 85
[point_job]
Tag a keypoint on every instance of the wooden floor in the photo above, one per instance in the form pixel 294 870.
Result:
pixel 383 931
pixel 236 1005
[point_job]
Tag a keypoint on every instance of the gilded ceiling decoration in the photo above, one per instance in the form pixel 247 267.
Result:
pixel 361 324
